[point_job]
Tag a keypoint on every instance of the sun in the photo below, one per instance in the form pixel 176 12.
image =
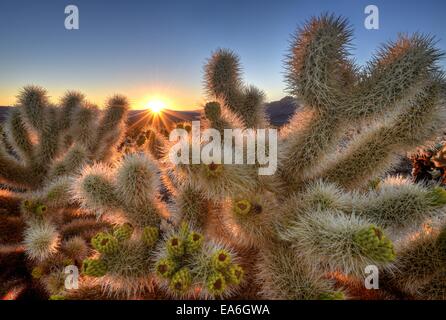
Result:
pixel 156 106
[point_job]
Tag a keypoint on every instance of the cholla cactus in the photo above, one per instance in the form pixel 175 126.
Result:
pixel 48 141
pixel 324 216
pixel 42 147
pixel 142 250
pixel 320 214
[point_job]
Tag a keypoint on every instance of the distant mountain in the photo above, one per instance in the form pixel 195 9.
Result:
pixel 4 112
pixel 279 113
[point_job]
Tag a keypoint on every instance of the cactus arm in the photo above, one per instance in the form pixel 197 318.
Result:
pixel 137 190
pixel 49 141
pixel 19 137
pixel 95 190
pixel 398 203
pixel 420 257
pixel 223 81
pixel 339 241
pixel 220 118
pixel 70 102
pixel 57 193
pixel 396 73
pixel 317 57
pixel 84 125
pixel 252 110
pixel 399 72
pixel 305 143
pixel 110 130
pixel 223 77
pixel 11 171
pixel 374 151
pixel 33 101
pixel 284 276
pixel 192 207
pixel 71 163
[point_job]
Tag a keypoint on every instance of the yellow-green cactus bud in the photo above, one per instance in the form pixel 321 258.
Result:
pixel 165 268
pixel 216 284
pixel 194 242
pixel 221 259
pixel 438 196
pixel 212 110
pixel 105 243
pixel 214 169
pixel 94 268
pixel 123 232
pixel 235 274
pixel 150 236
pixel 242 207
pixel 181 281
pixel 175 246
pixel 37 272
pixel 56 297
pixel 27 204
pixel 41 209
pixel 332 296
pixel 374 244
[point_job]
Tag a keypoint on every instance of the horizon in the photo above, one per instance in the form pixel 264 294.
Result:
pixel 170 41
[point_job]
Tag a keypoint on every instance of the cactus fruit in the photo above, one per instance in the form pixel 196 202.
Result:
pixel 216 284
pixel 214 169
pixel 37 272
pixel 41 209
pixel 373 243
pixel 165 268
pixel 221 259
pixel 105 243
pixel 242 207
pixel 150 235
pixel 234 274
pixel 94 268
pixel 194 242
pixel 123 232
pixel 175 246
pixel 438 195
pixel 194 263
pixel 181 281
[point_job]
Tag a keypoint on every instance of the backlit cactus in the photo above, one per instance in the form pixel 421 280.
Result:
pixel 329 212
pixel 328 209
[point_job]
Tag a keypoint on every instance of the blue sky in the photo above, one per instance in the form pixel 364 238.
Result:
pixel 147 49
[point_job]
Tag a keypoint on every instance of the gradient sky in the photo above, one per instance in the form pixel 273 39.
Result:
pixel 145 49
